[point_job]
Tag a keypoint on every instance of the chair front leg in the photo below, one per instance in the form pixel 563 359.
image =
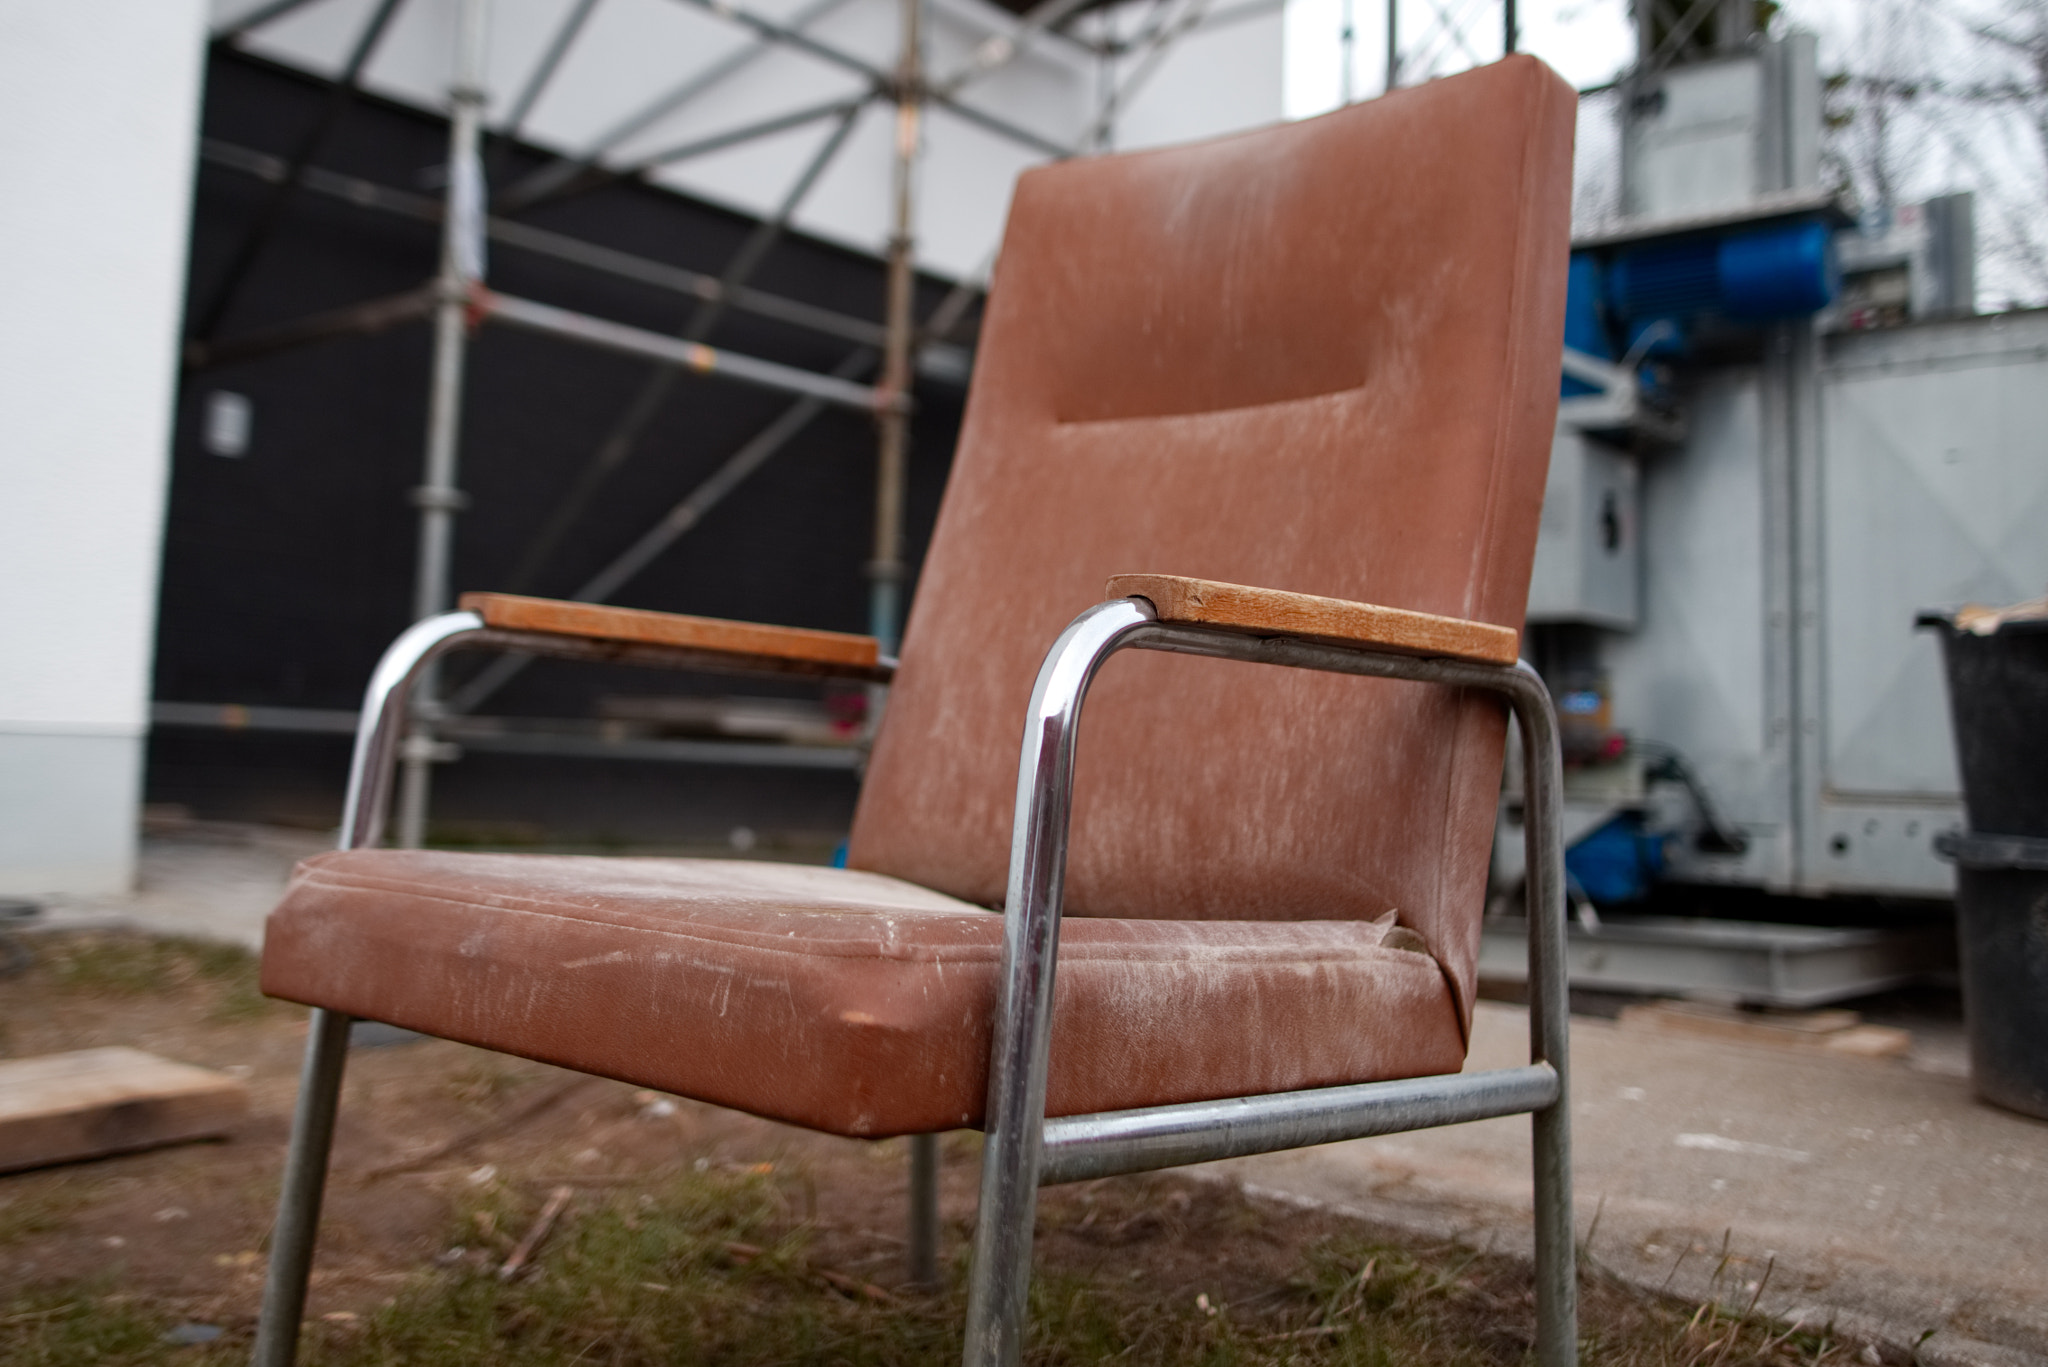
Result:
pixel 362 820
pixel 1557 1293
pixel 305 1181
pixel 999 1289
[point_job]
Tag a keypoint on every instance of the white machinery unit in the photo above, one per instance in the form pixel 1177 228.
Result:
pixel 1736 540
pixel 1589 554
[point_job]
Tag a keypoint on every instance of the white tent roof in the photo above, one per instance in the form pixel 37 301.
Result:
pixel 644 77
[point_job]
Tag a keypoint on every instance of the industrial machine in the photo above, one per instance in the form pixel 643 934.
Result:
pixel 1783 430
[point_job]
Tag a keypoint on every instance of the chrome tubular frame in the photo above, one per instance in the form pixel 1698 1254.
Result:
pixel 1025 1150
pixel 362 822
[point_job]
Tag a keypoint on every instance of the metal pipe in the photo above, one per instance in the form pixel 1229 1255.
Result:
pixel 768 28
pixel 680 280
pixel 885 567
pixel 691 510
pixel 1393 44
pixel 1347 41
pixel 732 137
pixel 632 341
pixel 256 18
pixel 562 170
pixel 460 278
pixel 999 50
pixel 521 735
pixel 556 246
pixel 1157 45
pixel 618 444
pixel 297 1229
pixel 686 514
pixel 360 320
pixel 1082 1148
pixel 305 1173
pixel 1510 31
pixel 339 95
pixel 385 705
pixel 1013 1153
pixel 1023 1023
pixel 544 72
pixel 1448 24
pixel 1557 1287
pixel 673 525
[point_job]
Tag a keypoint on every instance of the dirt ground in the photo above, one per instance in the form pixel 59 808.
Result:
pixel 445 1155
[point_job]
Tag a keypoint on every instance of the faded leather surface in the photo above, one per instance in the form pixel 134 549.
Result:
pixel 1321 358
pixel 844 1001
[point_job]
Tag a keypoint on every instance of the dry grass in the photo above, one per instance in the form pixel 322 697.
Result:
pixel 712 1268
pixel 696 1250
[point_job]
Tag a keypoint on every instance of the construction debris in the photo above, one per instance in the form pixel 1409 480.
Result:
pixel 59 1108
pixel 1836 1031
pixel 557 1198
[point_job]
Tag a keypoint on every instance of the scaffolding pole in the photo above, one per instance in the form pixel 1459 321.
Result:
pixel 438 497
pixel 365 194
pixel 885 570
pixel 459 301
pixel 565 169
pixel 1393 44
pixel 340 93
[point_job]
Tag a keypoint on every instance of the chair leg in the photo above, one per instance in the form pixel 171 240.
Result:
pixel 305 1180
pixel 999 1282
pixel 924 1210
pixel 1557 1278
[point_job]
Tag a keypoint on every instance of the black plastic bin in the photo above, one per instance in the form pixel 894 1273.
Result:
pixel 1998 700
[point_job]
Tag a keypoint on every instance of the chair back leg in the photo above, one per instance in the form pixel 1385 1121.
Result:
pixel 305 1181
pixel 924 1210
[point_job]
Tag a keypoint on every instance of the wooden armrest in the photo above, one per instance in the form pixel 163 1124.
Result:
pixel 1270 612
pixel 744 643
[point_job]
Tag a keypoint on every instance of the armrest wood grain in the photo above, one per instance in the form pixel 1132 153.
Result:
pixel 744 643
pixel 1271 612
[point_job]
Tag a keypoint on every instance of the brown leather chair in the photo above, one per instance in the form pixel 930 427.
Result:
pixel 1321 359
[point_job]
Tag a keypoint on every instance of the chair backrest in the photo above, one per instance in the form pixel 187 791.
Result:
pixel 1321 357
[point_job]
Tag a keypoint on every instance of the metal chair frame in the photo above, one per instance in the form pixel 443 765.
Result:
pixel 1024 1149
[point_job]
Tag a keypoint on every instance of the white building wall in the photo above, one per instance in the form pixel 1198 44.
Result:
pixel 98 110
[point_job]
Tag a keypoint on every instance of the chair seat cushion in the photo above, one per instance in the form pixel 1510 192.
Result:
pixel 847 1002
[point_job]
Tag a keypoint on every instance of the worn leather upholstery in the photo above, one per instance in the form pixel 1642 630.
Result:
pixel 1321 358
pixel 848 1002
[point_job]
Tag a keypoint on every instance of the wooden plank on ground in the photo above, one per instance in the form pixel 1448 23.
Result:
pixel 1837 1031
pixel 57 1108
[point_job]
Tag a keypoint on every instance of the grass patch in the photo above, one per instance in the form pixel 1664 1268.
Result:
pixel 87 1326
pixel 713 1269
pixel 37 1210
pixel 129 964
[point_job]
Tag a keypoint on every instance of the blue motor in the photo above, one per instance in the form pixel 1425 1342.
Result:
pixel 1616 862
pixel 1780 272
pixel 1585 320
pixel 1754 276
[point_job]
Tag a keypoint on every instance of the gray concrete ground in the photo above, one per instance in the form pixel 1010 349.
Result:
pixel 1877 1194
pixel 215 880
